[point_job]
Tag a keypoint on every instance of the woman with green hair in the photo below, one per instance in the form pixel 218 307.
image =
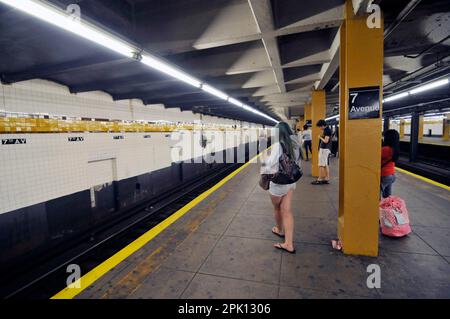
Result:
pixel 281 195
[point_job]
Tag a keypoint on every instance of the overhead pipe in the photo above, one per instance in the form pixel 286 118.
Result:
pixel 426 71
pixel 401 16
pixel 415 56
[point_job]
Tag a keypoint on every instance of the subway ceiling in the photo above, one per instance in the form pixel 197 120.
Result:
pixel 268 54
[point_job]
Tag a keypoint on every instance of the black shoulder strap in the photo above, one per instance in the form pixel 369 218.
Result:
pixel 387 162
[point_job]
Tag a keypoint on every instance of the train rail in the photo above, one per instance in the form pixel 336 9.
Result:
pixel 45 277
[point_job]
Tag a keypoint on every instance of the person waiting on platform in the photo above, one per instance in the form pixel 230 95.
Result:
pixel 324 153
pixel 281 195
pixel 306 137
pixel 389 156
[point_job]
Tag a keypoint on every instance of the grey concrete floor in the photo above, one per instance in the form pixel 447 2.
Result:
pixel 223 248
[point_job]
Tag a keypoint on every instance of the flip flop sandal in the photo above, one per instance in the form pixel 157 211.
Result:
pixel 336 244
pixel 278 234
pixel 324 182
pixel 278 246
pixel 317 182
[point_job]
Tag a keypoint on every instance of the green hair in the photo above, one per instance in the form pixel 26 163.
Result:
pixel 284 135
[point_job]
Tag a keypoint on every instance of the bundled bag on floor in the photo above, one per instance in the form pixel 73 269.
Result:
pixel 394 219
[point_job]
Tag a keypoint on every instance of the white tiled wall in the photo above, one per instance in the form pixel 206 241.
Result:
pixel 436 128
pixel 48 166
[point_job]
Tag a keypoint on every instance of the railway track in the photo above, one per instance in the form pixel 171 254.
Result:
pixel 43 278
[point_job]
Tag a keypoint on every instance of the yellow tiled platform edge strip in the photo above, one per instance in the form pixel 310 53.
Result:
pixel 95 274
pixel 21 125
pixel 430 181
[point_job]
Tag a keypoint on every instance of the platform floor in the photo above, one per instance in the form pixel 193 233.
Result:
pixel 223 248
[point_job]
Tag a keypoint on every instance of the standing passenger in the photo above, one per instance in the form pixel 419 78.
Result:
pixel 324 154
pixel 389 156
pixel 281 195
pixel 307 140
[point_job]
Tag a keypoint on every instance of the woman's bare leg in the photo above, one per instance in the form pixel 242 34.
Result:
pixel 288 220
pixel 276 201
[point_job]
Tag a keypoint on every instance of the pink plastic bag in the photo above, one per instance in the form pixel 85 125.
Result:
pixel 394 218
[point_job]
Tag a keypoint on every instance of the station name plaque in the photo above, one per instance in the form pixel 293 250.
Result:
pixel 364 103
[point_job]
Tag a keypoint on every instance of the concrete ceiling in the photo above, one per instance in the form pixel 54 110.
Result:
pixel 267 53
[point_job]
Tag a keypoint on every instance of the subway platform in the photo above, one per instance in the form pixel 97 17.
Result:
pixel 223 248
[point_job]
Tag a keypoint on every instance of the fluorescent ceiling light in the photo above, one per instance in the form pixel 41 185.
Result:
pixel 250 109
pixel 63 20
pixel 419 89
pixel 433 114
pixel 436 117
pixel 332 117
pixel 395 97
pixel 235 102
pixel 429 86
pixel 169 70
pixel 53 15
pixel 215 92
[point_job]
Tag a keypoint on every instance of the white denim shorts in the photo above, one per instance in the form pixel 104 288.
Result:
pixel 280 190
pixel 324 157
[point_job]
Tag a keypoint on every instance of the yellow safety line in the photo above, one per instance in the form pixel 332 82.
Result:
pixel 430 181
pixel 93 275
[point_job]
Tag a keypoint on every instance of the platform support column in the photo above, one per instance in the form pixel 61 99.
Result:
pixel 402 129
pixel 360 154
pixel 300 123
pixel 318 107
pixel 414 137
pixel 446 127
pixel 386 123
pixel 420 127
pixel 307 112
pixel 342 117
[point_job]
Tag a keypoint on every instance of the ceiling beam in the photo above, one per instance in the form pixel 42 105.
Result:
pixel 360 7
pixel 332 19
pixel 213 35
pixel 328 69
pixel 288 104
pixel 285 97
pixel 262 13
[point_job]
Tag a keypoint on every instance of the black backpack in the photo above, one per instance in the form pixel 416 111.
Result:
pixel 289 172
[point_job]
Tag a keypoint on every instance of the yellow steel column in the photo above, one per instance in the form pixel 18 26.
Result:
pixel 402 129
pixel 300 123
pixel 318 102
pixel 361 154
pixel 421 127
pixel 342 121
pixel 446 128
pixel 307 112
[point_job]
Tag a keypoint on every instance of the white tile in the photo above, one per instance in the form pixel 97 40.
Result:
pixel 48 166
